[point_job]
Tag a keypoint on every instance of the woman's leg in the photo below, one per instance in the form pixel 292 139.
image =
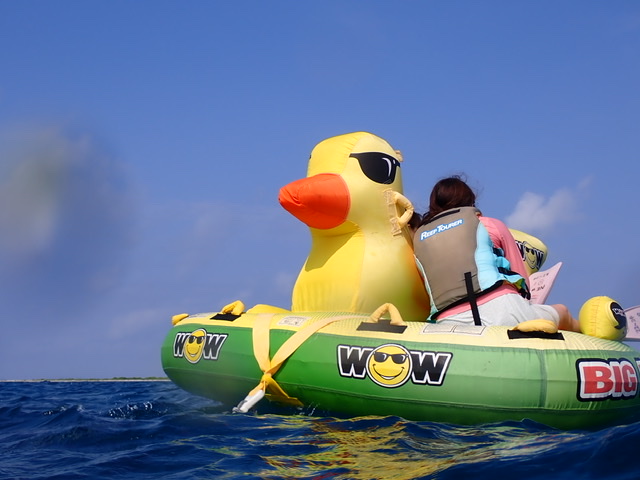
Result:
pixel 567 322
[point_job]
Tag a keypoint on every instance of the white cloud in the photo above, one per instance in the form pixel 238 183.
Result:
pixel 35 172
pixel 537 214
pixel 66 218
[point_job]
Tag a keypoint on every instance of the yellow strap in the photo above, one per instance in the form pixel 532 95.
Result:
pixel 235 308
pixel 268 366
pixel 261 328
pixel 396 318
pixel 178 318
pixel 394 200
pixel 405 203
pixel 538 325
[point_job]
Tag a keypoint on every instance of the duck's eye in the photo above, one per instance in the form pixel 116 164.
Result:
pixel 379 167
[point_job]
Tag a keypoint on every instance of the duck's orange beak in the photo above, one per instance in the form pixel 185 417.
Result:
pixel 321 201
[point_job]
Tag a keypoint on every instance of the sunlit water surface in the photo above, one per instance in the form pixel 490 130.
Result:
pixel 154 430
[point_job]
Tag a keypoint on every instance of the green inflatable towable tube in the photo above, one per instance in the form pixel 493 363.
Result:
pixel 352 365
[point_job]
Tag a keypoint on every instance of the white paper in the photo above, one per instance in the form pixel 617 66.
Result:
pixel 633 323
pixel 540 283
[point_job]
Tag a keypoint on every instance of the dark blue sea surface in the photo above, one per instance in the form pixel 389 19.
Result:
pixel 153 430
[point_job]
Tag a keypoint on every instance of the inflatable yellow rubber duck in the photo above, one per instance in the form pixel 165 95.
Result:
pixel 361 253
pixel 533 250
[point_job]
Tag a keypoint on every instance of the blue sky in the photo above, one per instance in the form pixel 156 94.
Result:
pixel 143 144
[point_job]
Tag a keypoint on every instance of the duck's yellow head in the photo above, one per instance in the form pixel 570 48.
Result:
pixel 345 179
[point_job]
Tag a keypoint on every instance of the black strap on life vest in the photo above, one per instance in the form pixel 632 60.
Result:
pixel 472 298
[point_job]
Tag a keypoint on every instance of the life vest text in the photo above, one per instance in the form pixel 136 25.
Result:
pixel 440 228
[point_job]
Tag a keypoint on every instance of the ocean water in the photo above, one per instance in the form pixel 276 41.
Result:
pixel 153 430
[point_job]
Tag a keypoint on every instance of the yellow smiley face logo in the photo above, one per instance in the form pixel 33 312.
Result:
pixel 194 345
pixel 389 365
pixel 530 257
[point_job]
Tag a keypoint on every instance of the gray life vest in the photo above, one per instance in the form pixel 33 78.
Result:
pixel 459 262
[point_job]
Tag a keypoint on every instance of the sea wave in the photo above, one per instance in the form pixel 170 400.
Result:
pixel 140 430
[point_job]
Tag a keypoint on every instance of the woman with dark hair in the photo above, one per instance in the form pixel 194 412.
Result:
pixel 414 222
pixel 472 266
